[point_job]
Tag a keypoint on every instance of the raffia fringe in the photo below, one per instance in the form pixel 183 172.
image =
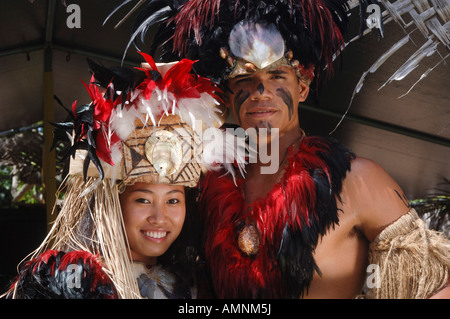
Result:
pixel 414 261
pixel 96 201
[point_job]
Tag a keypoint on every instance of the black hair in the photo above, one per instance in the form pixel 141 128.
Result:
pixel 184 257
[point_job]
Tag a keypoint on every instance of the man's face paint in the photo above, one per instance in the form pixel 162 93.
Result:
pixel 265 98
pixel 239 99
pixel 261 88
pixel 287 98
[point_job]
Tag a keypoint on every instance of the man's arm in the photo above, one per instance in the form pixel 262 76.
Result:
pixel 443 293
pixel 374 196
pixel 414 261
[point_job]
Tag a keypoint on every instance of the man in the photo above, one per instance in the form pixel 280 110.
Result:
pixel 370 199
pixel 315 226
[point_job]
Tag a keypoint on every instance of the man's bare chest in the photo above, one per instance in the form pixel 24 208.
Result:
pixel 342 257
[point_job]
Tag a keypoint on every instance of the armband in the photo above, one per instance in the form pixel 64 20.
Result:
pixel 414 261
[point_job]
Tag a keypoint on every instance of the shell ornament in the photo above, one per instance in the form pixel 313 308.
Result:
pixel 163 150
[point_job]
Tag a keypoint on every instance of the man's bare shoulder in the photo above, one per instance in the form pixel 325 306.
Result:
pixel 373 195
pixel 364 167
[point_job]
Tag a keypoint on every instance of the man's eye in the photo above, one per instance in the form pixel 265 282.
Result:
pixel 242 80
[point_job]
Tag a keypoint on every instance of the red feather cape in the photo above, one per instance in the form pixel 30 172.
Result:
pixel 295 203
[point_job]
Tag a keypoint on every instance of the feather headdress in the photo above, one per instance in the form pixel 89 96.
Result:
pixel 148 125
pixel 312 31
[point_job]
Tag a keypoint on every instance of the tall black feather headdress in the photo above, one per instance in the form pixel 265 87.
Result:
pixel 312 31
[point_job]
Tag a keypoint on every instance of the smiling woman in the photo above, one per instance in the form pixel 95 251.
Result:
pixel 154 216
pixel 127 227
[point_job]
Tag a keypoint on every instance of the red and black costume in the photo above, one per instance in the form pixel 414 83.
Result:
pixel 60 275
pixel 285 226
pixel 290 220
pixel 280 232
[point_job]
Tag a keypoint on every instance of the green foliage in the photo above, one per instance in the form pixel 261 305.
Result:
pixel 6 197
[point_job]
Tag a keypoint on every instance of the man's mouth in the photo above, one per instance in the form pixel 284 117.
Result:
pixel 260 112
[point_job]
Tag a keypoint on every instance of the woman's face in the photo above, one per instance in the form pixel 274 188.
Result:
pixel 154 215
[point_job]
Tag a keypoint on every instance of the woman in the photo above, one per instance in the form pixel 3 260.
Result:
pixel 160 230
pixel 127 225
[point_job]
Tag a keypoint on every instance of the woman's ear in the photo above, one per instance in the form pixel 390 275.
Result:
pixel 303 91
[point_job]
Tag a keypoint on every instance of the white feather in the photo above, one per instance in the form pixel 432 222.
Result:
pixel 192 110
pixel 122 121
pixel 223 149
pixel 116 155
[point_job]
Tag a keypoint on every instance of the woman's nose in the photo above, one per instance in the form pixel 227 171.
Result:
pixel 157 214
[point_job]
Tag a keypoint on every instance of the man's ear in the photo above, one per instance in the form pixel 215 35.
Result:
pixel 304 91
pixel 225 113
pixel 225 100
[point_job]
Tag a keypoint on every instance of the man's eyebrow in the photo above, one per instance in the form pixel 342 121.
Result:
pixel 240 76
pixel 277 72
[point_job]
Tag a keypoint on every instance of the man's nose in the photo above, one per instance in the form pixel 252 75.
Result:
pixel 261 91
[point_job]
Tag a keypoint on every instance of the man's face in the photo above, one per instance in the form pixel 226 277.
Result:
pixel 267 98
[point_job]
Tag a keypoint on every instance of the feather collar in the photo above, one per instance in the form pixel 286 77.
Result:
pixel 288 223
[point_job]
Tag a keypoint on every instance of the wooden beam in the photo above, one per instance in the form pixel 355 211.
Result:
pixel 48 158
pixel 380 125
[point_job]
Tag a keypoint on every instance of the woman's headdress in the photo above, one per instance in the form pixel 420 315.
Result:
pixel 157 124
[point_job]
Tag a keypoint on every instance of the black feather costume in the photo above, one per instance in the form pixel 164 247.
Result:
pixel 198 29
pixel 49 277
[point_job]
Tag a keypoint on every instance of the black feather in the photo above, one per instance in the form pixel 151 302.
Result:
pixel 296 262
pixel 69 112
pixel 295 254
pixel 119 82
pixel 124 80
pixel 48 277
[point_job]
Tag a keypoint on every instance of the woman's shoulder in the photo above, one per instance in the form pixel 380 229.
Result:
pixel 63 275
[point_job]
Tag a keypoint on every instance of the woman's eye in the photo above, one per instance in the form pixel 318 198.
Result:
pixel 143 201
pixel 173 201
